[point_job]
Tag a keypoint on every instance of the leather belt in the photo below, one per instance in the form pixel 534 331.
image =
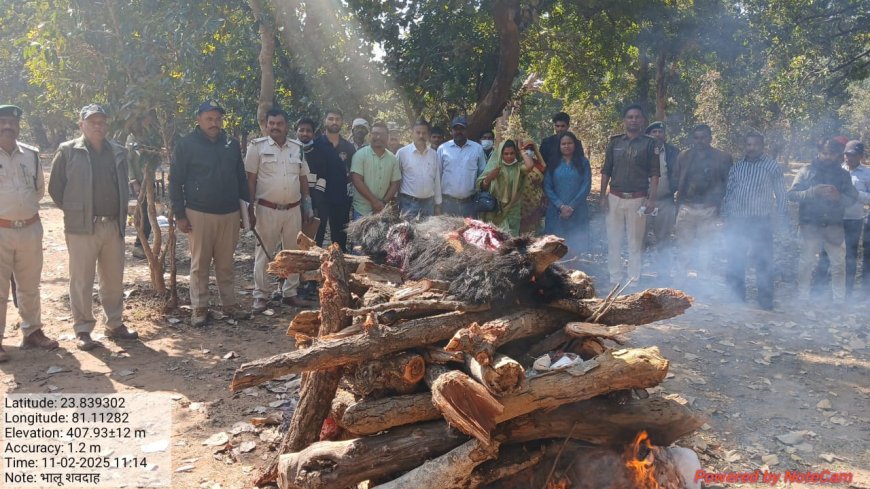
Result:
pixel 628 195
pixel 18 224
pixel 277 207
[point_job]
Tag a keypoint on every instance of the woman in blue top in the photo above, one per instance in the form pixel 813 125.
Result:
pixel 567 184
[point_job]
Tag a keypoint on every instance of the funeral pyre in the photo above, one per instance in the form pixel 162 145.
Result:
pixel 454 356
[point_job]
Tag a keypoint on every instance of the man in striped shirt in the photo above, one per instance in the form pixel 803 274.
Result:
pixel 754 193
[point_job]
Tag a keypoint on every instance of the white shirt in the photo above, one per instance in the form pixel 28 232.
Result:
pixel 861 181
pixel 421 176
pixel 278 169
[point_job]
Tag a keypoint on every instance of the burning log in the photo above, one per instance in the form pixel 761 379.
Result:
pixel 330 465
pixel 399 373
pixel 449 471
pixel 603 422
pixel 503 375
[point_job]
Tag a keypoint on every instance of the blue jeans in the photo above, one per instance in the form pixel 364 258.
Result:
pixel 412 207
pixel 456 207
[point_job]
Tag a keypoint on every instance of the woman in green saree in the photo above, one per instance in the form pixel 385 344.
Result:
pixel 503 177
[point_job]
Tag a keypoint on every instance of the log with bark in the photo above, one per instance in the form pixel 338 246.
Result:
pixel 481 341
pixel 502 376
pixel 288 262
pixel 368 417
pixel 318 388
pixel 643 307
pixel 340 464
pixel 464 403
pixel 367 345
pixel 592 330
pixel 305 322
pixel 399 373
pixel 449 471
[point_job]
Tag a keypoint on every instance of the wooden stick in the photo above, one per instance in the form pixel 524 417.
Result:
pixel 502 376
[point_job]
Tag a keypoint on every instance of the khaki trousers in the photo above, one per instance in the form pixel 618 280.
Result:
pixel 213 238
pixel 275 227
pixel 103 252
pixel 623 219
pixel 833 239
pixel 696 224
pixel 21 254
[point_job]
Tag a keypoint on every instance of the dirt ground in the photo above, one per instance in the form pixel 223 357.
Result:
pixel 754 375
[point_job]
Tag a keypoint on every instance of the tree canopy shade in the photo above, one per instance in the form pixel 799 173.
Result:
pixel 789 67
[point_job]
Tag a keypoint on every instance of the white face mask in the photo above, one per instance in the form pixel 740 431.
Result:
pixel 486 143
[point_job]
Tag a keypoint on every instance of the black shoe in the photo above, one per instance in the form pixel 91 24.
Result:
pixel 84 342
pixel 122 333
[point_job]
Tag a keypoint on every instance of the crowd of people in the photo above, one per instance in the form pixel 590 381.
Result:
pixel 649 189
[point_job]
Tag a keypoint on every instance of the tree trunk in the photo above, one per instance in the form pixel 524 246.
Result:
pixel 505 13
pixel 266 58
pixel 448 471
pixel 642 79
pixel 318 389
pixel 333 465
pixel 661 84
pixel 173 264
pixel 374 343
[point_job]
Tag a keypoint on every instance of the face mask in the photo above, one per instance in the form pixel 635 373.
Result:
pixel 487 144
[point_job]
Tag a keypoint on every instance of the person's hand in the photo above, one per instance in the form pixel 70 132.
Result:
pixel 650 206
pixel 825 191
pixel 565 211
pixel 378 206
pixel 603 204
pixel 183 225
pixel 252 216
pixel 135 186
pixel 494 173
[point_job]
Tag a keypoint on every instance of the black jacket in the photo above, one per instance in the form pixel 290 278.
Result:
pixel 207 176
pixel 815 209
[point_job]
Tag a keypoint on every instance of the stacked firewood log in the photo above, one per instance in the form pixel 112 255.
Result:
pixel 406 384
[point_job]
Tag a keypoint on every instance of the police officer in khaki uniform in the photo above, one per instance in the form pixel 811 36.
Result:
pixel 629 185
pixel 22 184
pixel 278 180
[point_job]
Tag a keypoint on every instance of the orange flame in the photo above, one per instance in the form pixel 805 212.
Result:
pixel 640 461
